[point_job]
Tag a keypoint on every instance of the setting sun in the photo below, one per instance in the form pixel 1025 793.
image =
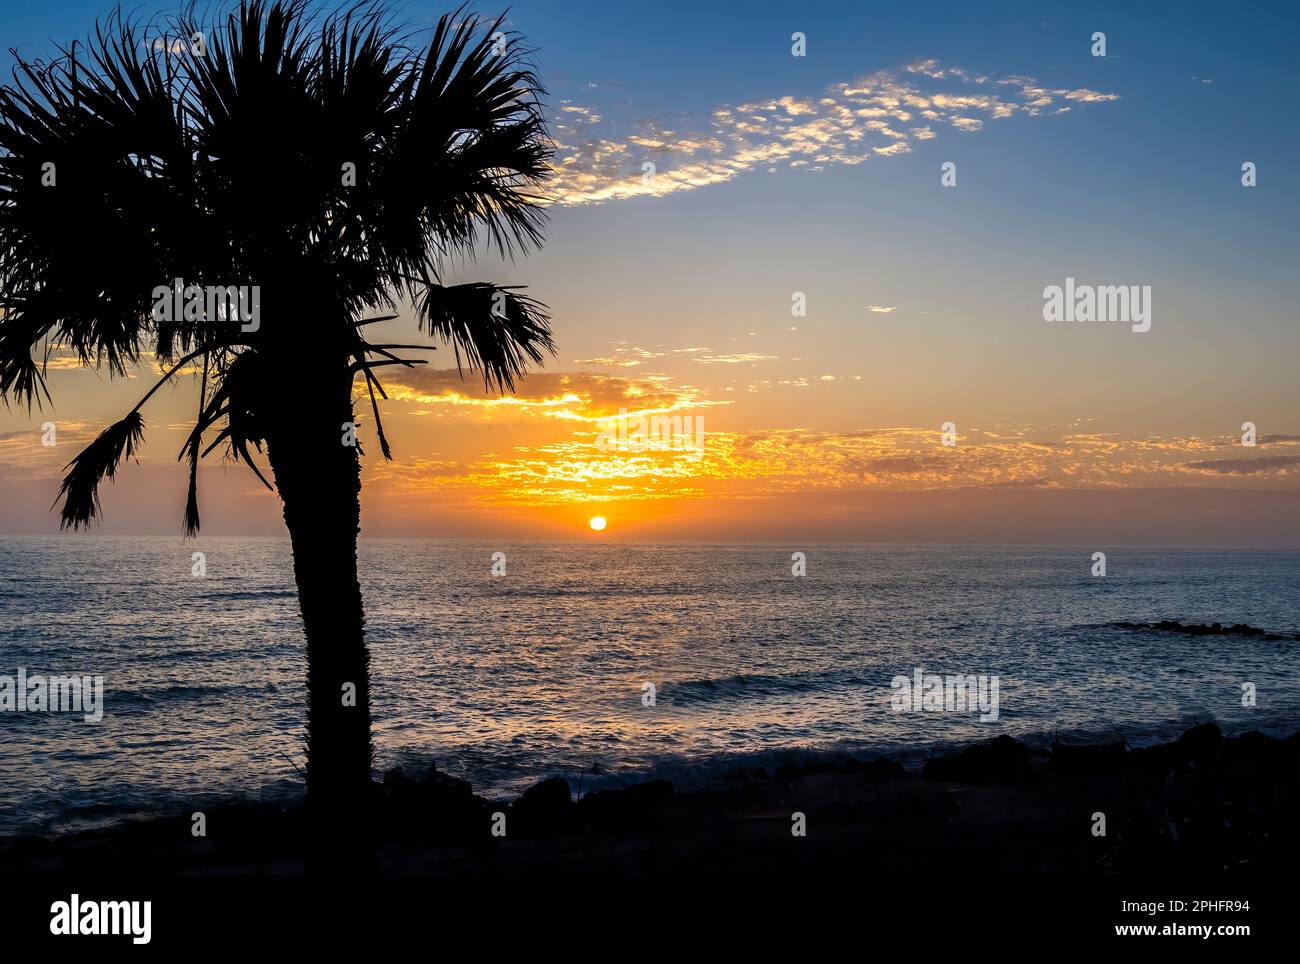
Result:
pixel 597 522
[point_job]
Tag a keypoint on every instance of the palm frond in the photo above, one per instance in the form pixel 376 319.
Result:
pixel 97 461
pixel 470 148
pixel 192 493
pixel 492 329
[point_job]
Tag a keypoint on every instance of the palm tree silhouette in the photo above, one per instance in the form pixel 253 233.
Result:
pixel 325 160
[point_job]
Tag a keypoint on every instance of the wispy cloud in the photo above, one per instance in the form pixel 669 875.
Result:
pixel 740 358
pixel 575 396
pixel 879 115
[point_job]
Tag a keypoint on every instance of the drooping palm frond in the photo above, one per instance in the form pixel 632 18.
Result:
pixel 192 449
pixel 239 399
pixel 496 330
pixel 192 493
pixel 97 461
pixel 22 377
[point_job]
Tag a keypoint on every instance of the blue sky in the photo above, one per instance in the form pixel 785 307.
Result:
pixel 1144 187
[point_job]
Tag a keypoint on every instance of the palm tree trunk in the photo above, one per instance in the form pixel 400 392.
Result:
pixel 319 480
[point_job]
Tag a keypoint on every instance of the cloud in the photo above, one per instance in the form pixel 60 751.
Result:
pixel 564 463
pixel 901 465
pixel 24 454
pixel 609 362
pixel 882 309
pixel 852 122
pixel 742 358
pixel 1087 96
pixel 573 396
pixel 583 114
pixel 1262 465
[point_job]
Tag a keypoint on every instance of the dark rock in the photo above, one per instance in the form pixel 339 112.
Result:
pixel 758 773
pixel 1088 760
pixel 437 807
pixel 1002 760
pixel 636 808
pixel 652 791
pixel 1253 749
pixel 396 782
pixel 1201 741
pixel 1199 744
pixel 881 768
pixel 445 786
pixel 545 808
pixel 793 771
pixel 1200 629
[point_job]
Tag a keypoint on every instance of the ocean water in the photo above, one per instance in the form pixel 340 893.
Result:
pixel 542 672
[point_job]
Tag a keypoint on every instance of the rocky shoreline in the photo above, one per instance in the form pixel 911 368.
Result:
pixel 1213 629
pixel 1203 804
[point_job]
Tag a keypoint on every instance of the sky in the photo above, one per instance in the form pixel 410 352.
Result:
pixel 814 182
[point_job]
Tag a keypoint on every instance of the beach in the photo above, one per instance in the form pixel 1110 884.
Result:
pixel 1203 807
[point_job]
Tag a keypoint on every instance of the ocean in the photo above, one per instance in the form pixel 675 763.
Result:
pixel 542 672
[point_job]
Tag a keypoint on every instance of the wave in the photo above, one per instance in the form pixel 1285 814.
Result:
pixel 756 686
pixel 603 591
pixel 185 692
pixel 220 594
pixel 497 774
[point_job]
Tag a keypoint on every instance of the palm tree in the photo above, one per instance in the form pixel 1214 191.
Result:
pixel 326 161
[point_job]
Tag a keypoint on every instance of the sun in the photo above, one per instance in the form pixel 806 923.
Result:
pixel 597 523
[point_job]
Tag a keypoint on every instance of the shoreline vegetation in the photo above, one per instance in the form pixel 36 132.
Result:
pixel 1204 805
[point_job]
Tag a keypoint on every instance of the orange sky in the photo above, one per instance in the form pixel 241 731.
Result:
pixel 469 464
